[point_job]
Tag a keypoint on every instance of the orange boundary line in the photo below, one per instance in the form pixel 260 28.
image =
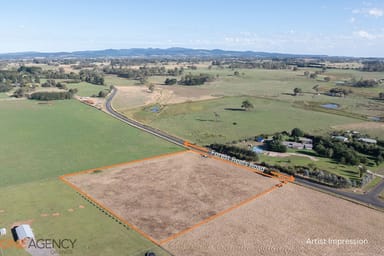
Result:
pixel 239 165
pixel 172 237
pixel 110 211
pixel 218 214
pixel 124 163
pixel 278 176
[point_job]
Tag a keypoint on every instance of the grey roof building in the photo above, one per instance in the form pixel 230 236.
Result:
pixel 24 232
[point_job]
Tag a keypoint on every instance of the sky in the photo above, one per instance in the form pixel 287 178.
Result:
pixel 331 27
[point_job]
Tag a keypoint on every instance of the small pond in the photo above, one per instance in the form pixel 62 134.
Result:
pixel 331 106
pixel 375 118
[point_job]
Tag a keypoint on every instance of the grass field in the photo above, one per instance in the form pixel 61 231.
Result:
pixel 196 120
pixel 40 141
pixel 86 89
pixel 56 211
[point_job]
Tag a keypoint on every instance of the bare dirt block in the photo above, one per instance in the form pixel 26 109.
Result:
pixel 288 221
pixel 163 196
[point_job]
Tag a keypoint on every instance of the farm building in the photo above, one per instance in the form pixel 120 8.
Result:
pixel 305 140
pixel 367 140
pixel 340 138
pixel 297 145
pixel 24 232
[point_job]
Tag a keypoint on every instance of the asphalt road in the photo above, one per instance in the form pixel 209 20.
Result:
pixel 370 198
pixel 151 130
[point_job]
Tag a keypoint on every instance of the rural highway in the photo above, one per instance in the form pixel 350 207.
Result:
pixel 370 198
pixel 151 130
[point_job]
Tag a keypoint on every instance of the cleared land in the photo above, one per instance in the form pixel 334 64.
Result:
pixel 281 222
pixel 135 96
pixel 48 140
pixel 197 122
pixel 164 196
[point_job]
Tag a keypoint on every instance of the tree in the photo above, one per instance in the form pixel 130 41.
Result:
pixel 296 132
pixel 247 105
pixel 102 94
pixel 381 95
pixel 170 81
pixel 151 88
pixel 297 91
pixel 362 170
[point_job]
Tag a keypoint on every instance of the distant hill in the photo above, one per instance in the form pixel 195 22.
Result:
pixel 152 52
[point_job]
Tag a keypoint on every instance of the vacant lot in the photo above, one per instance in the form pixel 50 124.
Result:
pixel 135 96
pixel 281 222
pixel 196 121
pixel 39 141
pixel 166 195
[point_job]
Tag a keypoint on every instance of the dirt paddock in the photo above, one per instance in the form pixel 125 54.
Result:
pixel 167 195
pixel 292 220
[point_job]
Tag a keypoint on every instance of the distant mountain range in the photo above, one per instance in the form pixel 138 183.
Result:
pixel 152 52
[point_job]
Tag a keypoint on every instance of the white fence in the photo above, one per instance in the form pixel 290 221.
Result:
pixel 237 161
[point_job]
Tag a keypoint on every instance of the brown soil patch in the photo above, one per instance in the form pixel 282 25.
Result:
pixel 136 96
pixel 281 222
pixel 55 214
pixel 44 215
pixel 276 154
pixel 2 211
pixel 81 206
pixel 168 194
pixel 71 210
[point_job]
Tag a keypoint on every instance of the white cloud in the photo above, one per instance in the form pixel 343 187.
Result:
pixel 376 12
pixel 364 34
pixel 352 20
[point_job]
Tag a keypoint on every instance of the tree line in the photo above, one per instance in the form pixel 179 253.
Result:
pixel 233 151
pixel 63 95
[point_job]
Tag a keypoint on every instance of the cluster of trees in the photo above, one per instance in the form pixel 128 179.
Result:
pixel 339 91
pixel 252 64
pixel 13 77
pixel 199 79
pixel 170 81
pixel 374 151
pixel 92 76
pixel 337 150
pixel 60 74
pixel 53 95
pixel 368 83
pixel 144 71
pixel 323 176
pixel 5 87
pixel 31 70
pixel 373 66
pixel 53 83
pixel 276 144
pixel 233 151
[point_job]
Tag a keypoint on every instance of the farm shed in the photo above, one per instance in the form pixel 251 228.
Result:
pixel 367 140
pixel 24 232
